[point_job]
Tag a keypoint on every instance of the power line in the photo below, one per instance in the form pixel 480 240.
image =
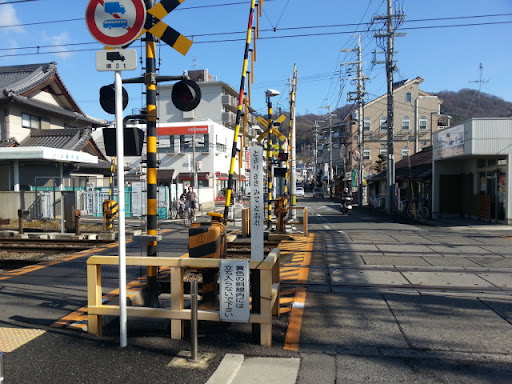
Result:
pixel 238 40
pixel 16 1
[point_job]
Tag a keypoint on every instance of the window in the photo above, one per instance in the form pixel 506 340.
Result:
pixel 383 123
pixel 405 152
pixel 187 143
pixel 367 125
pixel 423 123
pixel 406 123
pixel 408 97
pixel 383 150
pixel 367 154
pixel 30 121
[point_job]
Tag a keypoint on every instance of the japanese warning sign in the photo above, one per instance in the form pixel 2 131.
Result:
pixel 234 290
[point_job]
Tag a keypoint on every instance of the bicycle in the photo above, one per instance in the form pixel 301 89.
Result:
pixel 422 212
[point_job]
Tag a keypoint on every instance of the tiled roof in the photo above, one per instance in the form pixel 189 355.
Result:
pixel 420 158
pixel 55 109
pixel 8 143
pixel 21 78
pixel 73 139
pixel 17 82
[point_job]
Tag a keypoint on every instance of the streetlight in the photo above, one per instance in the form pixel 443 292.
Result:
pixel 269 93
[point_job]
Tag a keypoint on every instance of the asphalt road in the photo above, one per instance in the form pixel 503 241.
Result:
pixel 375 300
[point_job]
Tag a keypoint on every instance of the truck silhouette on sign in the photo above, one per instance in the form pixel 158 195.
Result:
pixel 114 56
pixel 114 7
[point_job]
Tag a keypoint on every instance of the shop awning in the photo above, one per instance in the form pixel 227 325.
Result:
pixel 221 176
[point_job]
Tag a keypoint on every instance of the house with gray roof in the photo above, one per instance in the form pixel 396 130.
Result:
pixel 43 131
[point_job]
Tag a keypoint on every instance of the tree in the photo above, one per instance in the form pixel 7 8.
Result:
pixel 380 164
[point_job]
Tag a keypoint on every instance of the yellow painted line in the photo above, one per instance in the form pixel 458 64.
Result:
pixel 305 248
pixel 291 341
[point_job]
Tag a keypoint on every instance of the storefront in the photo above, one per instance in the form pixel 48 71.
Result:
pixel 472 165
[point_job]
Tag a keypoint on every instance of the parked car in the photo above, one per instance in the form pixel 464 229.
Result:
pixel 318 192
pixel 299 191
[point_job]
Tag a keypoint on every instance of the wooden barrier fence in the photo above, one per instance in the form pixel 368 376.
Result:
pixel 269 292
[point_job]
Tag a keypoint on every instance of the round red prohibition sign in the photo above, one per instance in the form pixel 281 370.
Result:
pixel 115 23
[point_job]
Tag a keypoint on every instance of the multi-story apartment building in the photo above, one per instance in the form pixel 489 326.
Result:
pixel 206 133
pixel 416 117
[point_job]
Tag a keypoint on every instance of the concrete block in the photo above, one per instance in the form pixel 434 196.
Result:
pixel 227 369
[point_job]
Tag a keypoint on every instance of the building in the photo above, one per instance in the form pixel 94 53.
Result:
pixel 416 117
pixel 472 168
pixel 45 138
pixel 200 141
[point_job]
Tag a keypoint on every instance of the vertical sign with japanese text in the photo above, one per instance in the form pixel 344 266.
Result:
pixel 257 203
pixel 234 290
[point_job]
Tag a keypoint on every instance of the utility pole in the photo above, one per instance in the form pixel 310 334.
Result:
pixel 329 146
pixel 358 97
pixel 293 160
pixel 316 149
pixel 390 67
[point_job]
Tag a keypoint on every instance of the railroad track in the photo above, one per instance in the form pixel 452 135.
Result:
pixel 41 245
pixel 399 279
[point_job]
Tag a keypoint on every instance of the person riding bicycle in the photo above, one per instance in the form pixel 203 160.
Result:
pixel 191 198
pixel 181 204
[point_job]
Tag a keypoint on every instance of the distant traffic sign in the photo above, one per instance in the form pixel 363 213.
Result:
pixel 115 23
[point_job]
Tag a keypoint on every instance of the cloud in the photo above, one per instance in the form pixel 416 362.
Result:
pixel 9 19
pixel 60 43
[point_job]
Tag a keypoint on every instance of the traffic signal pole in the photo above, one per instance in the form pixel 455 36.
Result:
pixel 151 290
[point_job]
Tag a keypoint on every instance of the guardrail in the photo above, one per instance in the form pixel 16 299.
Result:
pixel 268 296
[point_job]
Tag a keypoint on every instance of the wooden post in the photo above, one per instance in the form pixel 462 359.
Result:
pixel 266 307
pixel 177 292
pixel 305 222
pixel 246 222
pixel 94 295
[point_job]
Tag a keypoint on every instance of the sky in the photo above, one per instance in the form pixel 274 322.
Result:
pixel 452 45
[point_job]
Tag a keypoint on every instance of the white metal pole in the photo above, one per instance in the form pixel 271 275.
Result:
pixel 16 176
pixel 61 189
pixel 121 211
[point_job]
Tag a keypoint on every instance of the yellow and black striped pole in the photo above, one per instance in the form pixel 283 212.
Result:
pixel 151 291
pixel 111 179
pixel 239 114
pixel 270 176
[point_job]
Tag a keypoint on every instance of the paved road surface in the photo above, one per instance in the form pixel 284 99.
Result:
pixel 369 300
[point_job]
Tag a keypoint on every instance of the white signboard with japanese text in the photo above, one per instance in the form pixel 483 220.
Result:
pixel 234 291
pixel 257 203
pixel 451 142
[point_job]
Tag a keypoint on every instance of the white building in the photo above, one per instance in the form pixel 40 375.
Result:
pixel 201 140
pixel 472 164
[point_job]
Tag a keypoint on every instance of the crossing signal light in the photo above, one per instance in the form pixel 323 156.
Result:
pixel 108 98
pixel 283 156
pixel 133 141
pixel 186 95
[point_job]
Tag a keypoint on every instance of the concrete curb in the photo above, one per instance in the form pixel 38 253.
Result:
pixel 227 369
